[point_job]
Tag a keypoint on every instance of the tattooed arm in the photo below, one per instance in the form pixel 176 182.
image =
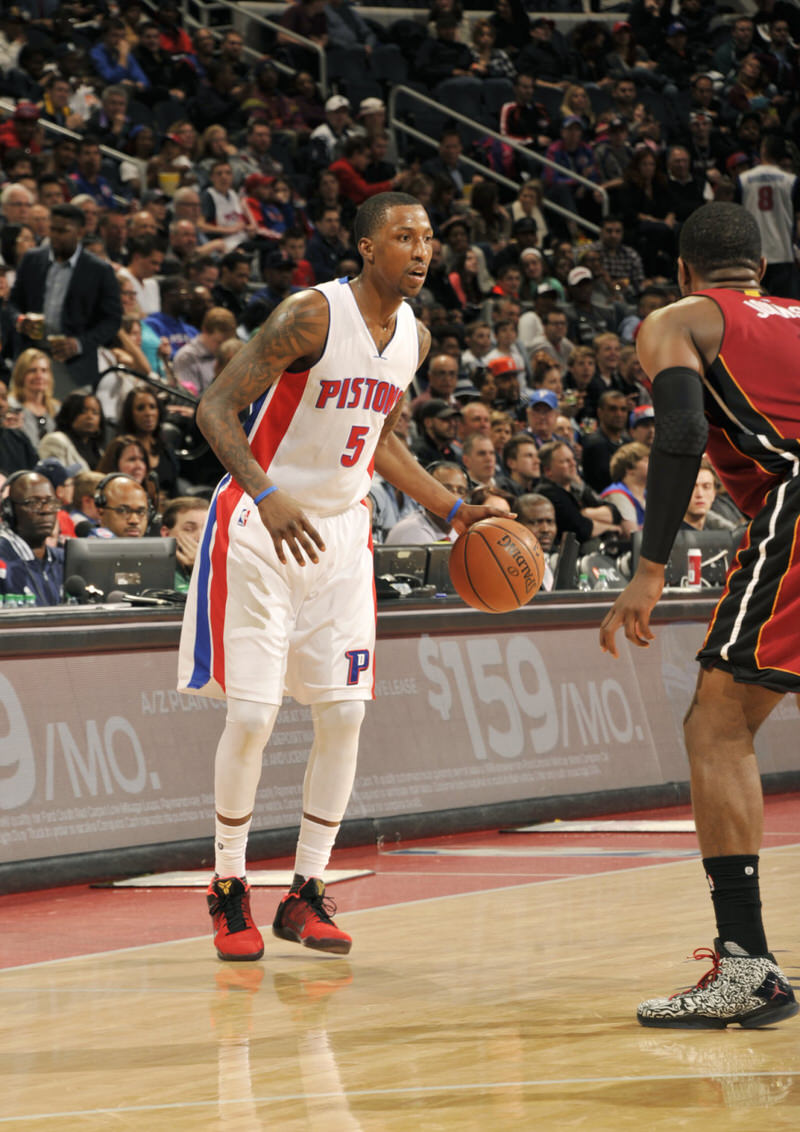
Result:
pixel 293 336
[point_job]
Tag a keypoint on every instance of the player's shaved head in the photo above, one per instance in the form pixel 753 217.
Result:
pixel 373 213
pixel 720 234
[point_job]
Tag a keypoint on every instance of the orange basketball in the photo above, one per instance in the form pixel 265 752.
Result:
pixel 497 565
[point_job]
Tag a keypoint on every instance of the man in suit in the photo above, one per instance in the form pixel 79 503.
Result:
pixel 79 297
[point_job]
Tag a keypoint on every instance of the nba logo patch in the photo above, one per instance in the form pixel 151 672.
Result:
pixel 244 515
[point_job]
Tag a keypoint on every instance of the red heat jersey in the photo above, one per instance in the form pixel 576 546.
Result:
pixel 752 394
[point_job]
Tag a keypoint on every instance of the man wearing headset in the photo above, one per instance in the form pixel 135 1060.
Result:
pixel 27 564
pixel 123 508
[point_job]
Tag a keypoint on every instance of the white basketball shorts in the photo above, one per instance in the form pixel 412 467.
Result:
pixel 255 629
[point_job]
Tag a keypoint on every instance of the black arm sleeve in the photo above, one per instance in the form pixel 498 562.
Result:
pixel 680 440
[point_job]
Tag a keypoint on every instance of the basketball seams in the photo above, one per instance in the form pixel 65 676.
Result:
pixel 502 567
pixel 465 565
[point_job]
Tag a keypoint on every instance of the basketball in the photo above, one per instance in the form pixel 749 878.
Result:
pixel 497 565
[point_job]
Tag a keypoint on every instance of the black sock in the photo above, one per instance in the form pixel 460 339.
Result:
pixel 737 901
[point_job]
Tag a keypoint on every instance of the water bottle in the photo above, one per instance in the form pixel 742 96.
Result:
pixel 583 584
pixel 12 601
pixel 602 581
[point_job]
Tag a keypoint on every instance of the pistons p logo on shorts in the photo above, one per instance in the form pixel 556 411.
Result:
pixel 358 662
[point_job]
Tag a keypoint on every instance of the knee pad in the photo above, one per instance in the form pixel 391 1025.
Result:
pixel 340 715
pixel 254 717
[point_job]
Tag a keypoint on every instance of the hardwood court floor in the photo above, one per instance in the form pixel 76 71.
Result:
pixel 506 1008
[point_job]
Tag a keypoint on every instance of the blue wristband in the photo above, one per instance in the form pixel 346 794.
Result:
pixel 452 512
pixel 263 495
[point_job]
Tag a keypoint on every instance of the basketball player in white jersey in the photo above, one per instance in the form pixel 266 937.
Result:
pixel 282 595
pixel 772 197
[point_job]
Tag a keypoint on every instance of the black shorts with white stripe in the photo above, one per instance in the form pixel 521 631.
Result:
pixel 753 632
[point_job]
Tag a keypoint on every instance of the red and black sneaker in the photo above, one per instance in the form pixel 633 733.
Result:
pixel 236 937
pixel 304 916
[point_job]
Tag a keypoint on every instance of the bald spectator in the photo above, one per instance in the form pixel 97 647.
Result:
pixel 442 381
pixel 123 509
pixel 475 418
pixel 538 514
pixel 142 225
pixel 30 566
pixel 195 363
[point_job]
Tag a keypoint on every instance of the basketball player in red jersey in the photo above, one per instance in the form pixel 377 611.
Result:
pixel 282 596
pixel 723 361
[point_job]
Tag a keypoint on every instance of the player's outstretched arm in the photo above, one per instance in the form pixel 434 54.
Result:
pixel 293 335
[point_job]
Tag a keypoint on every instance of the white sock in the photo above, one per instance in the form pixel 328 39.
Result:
pixel 328 781
pixel 230 847
pixel 237 770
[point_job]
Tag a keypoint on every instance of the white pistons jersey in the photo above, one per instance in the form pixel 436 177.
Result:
pixel 772 197
pixel 315 432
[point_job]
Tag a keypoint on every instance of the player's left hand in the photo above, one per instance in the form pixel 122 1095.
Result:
pixel 468 514
pixel 632 609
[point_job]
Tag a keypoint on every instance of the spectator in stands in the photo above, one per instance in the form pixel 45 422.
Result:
pixel 22 131
pixel 576 509
pixel 448 162
pixel 347 28
pixel 488 60
pixel 621 263
pixel 112 58
pixel 224 215
pixel 214 101
pixel 16 450
pixel 573 155
pixel 633 378
pixel 598 449
pixel 442 56
pixel 16 202
pixel 257 155
pixel 684 188
pixel 677 61
pixel 465 284
pixel 326 247
pixel 642 425
pixel 326 143
pixel 156 64
pixel 479 345
pixel 63 481
pixel 122 507
pixel 554 338
pixel 125 454
pixel 506 377
pixel 627 58
pixel 195 363
pixel 650 299
pixel 306 18
pixel 538 514
pixel 649 205
pixel 729 55
pixel 442 381
pixel 183 520
pixel 170 322
pixel 144 264
pixel 142 416
pixel 110 122
pixel 232 289
pixel 475 418
pixel 87 177
pixel 349 170
pixel 277 271
pixel 30 565
pixel 502 427
pixel 478 458
pixel 627 488
pixel 173 38
pixel 78 435
pixel 423 527
pixel 585 319
pixel 545 55
pixel 83 511
pixel 699 514
pixel 77 294
pixel 436 426
pixel 521 460
pixel 541 414
pixel 31 390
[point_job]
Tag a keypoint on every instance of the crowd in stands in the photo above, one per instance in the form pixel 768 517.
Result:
pixel 128 282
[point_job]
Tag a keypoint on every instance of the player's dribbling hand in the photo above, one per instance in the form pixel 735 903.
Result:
pixel 468 514
pixel 632 610
pixel 284 519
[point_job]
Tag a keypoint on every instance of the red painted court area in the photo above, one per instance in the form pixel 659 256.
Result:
pixel 81 920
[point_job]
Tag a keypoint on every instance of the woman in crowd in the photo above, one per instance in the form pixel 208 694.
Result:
pixel 628 59
pixel 577 104
pixel 31 389
pixel 647 204
pixel 528 205
pixel 142 417
pixel 489 60
pixel 125 453
pixel 464 281
pixel 79 433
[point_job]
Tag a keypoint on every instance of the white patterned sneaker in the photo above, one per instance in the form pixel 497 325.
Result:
pixel 741 989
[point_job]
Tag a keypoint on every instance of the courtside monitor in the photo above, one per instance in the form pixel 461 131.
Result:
pixel 132 565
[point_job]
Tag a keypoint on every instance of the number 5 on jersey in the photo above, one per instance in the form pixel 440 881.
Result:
pixel 355 445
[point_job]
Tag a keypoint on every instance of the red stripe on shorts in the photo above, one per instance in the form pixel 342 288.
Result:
pixel 227 501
